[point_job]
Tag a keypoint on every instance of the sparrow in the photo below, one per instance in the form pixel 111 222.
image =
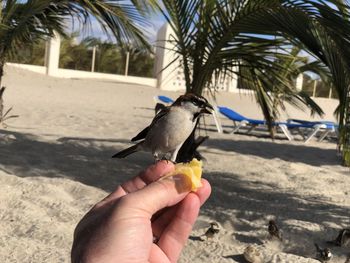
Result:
pixel 347 259
pixel 170 128
pixel 324 254
pixel 273 230
pixel 252 255
pixel 342 238
pixel 212 230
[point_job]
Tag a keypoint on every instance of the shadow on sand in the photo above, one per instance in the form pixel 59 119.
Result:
pixel 239 202
pixel 302 153
pixel 88 160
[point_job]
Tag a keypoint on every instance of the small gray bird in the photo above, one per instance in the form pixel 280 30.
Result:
pixel 323 254
pixel 169 128
pixel 342 239
pixel 212 231
pixel 273 230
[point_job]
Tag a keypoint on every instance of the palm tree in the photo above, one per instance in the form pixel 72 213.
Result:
pixel 108 55
pixel 74 55
pixel 30 54
pixel 33 20
pixel 214 37
pixel 141 60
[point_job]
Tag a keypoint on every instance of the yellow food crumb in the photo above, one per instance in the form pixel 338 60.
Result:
pixel 192 171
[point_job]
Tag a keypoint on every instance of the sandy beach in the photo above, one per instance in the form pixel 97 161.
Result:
pixel 55 164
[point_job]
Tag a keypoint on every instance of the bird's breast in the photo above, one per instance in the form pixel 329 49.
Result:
pixel 170 131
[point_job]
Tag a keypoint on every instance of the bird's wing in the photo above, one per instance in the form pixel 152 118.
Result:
pixel 144 132
pixel 141 135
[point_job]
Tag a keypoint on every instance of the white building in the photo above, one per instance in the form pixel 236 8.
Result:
pixel 169 73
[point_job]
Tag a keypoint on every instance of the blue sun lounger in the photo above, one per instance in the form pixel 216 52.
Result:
pixel 241 121
pixel 325 127
pixel 165 99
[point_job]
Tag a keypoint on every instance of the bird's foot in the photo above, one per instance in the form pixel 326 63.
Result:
pixel 168 161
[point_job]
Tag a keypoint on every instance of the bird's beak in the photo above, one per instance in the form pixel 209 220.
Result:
pixel 208 109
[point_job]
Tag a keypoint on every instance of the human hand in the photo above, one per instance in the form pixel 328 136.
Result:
pixel 122 226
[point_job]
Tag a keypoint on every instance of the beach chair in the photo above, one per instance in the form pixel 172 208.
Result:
pixel 242 121
pixel 325 128
pixel 164 99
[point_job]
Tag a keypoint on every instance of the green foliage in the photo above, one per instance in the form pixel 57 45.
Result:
pixel 245 38
pixel 74 56
pixel 23 22
pixel 141 61
pixel 30 54
pixel 110 57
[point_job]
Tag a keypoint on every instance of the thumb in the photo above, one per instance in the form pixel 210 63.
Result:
pixel 157 195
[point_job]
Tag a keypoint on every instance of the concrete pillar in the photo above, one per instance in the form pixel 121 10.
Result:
pixel 169 74
pixel 232 82
pixel 53 55
pixel 299 82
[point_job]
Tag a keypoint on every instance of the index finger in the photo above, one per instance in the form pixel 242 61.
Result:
pixel 151 174
pixel 156 171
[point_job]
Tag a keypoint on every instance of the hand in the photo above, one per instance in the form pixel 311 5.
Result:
pixel 122 227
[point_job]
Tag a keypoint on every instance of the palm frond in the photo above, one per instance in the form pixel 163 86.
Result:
pixel 215 37
pixel 29 21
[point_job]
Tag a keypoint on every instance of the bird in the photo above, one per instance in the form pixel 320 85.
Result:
pixel 273 230
pixel 324 254
pixel 212 230
pixel 342 238
pixel 347 259
pixel 252 255
pixel 170 128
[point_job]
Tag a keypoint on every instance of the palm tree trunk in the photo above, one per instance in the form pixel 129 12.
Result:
pixel 345 134
pixel 2 64
pixel 273 128
pixel 2 89
pixel 1 103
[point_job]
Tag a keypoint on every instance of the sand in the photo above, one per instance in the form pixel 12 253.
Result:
pixel 55 164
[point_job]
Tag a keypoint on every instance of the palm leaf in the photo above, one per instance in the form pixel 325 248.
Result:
pixel 214 37
pixel 29 21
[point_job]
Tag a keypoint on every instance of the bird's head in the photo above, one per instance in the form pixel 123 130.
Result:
pixel 215 226
pixel 272 222
pixel 327 253
pixel 196 104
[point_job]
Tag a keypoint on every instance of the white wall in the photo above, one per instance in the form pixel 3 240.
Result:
pixel 68 73
pixel 36 69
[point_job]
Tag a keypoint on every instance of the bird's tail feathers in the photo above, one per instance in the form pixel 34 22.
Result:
pixel 317 247
pixel 127 151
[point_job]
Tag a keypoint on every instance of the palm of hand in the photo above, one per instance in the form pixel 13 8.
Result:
pixel 122 227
